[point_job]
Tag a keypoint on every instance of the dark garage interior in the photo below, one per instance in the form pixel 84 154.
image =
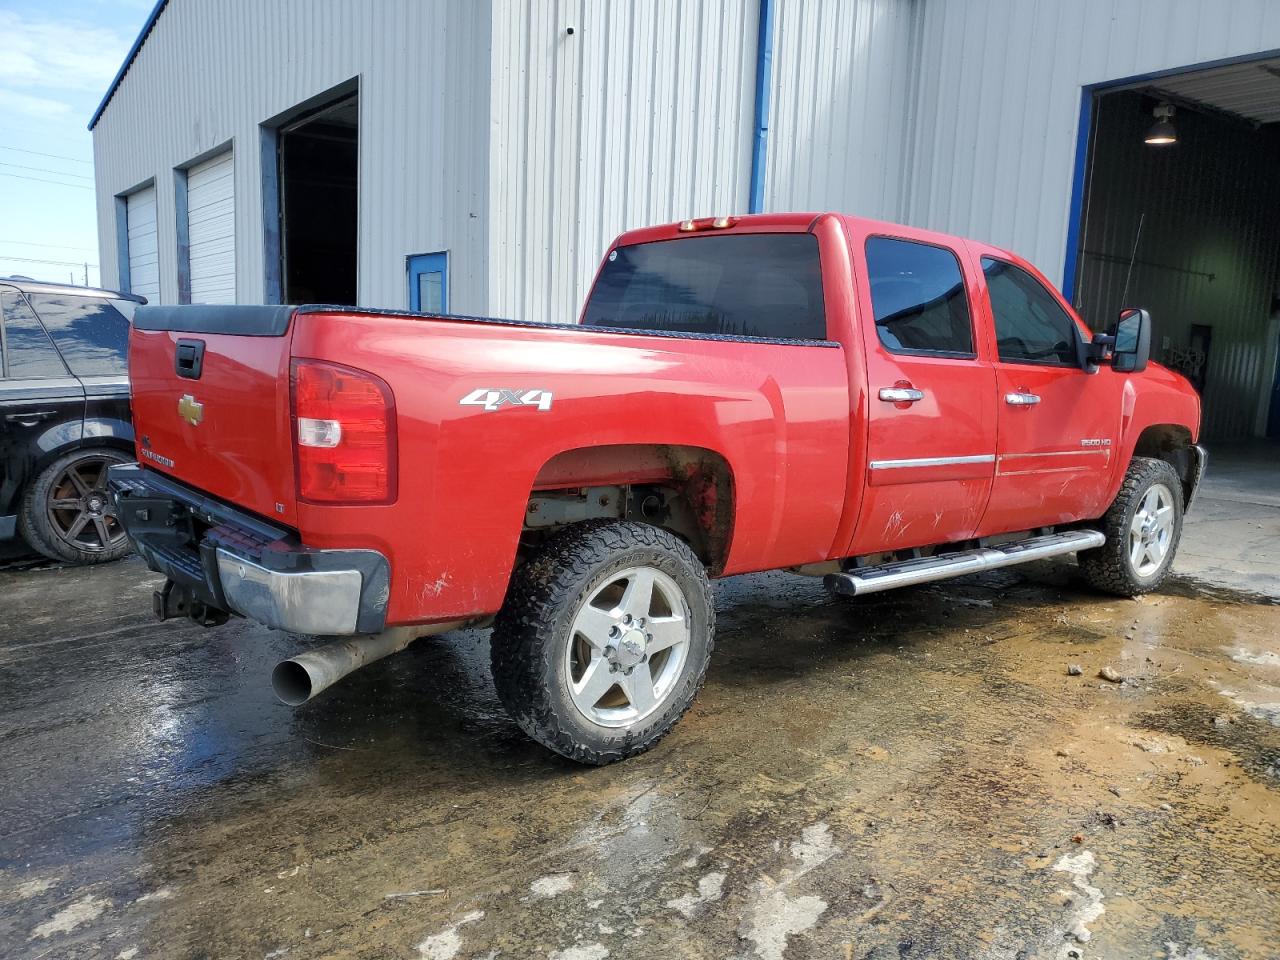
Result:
pixel 1198 219
pixel 318 157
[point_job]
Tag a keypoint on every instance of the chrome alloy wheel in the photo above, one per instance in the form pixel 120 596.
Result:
pixel 627 650
pixel 1151 530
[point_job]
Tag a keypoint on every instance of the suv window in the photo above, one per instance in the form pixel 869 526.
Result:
pixel 918 296
pixel 749 285
pixel 29 352
pixel 91 334
pixel 1031 326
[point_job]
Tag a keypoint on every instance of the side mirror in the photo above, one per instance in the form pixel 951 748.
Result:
pixel 1132 347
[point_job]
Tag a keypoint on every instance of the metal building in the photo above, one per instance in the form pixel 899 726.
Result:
pixel 478 155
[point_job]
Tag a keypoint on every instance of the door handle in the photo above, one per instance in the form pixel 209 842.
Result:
pixel 901 394
pixel 1021 399
pixel 29 419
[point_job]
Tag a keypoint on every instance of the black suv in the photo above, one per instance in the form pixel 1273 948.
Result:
pixel 64 416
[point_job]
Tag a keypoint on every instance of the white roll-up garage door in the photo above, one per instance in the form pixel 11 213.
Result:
pixel 144 264
pixel 211 218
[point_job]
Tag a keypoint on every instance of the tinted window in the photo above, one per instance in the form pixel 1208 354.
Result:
pixel 1031 327
pixel 91 334
pixel 752 285
pixel 30 354
pixel 918 295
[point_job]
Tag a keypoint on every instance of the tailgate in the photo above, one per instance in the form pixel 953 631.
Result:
pixel 211 401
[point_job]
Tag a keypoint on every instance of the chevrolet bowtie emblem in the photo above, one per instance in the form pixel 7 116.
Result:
pixel 190 410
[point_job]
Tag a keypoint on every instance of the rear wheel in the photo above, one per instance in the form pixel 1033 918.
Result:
pixel 67 513
pixel 1143 527
pixel 604 639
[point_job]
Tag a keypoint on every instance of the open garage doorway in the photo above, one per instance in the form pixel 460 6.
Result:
pixel 1179 215
pixel 318 176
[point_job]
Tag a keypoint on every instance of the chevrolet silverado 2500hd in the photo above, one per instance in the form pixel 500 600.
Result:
pixel 876 404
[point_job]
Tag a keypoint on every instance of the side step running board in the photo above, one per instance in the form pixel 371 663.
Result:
pixel 904 573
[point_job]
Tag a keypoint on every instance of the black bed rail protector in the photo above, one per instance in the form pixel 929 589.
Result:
pixel 241 320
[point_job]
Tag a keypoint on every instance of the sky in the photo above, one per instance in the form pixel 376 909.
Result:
pixel 57 58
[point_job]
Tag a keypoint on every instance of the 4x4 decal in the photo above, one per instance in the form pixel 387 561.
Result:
pixel 493 399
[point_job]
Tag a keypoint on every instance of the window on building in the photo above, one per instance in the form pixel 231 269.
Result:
pixel 749 285
pixel 429 282
pixel 91 334
pixel 918 296
pixel 1031 326
pixel 29 351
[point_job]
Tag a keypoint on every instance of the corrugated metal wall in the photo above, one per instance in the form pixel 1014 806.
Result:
pixel 1210 246
pixel 643 115
pixel 213 70
pixel 842 89
pixel 999 101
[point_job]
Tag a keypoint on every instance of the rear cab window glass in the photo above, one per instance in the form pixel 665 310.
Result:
pixel 918 297
pixel 28 353
pixel 1031 326
pixel 766 285
pixel 91 333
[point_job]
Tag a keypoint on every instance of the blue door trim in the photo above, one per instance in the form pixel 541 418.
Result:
pixel 764 85
pixel 419 263
pixel 1083 132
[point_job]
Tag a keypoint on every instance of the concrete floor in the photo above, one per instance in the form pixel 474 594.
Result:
pixel 911 775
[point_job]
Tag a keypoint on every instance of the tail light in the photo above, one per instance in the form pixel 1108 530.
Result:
pixel 344 434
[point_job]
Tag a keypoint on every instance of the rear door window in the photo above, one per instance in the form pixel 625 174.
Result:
pixel 28 351
pixel 751 285
pixel 919 298
pixel 1031 326
pixel 90 332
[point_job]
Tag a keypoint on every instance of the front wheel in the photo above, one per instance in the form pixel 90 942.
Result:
pixel 604 639
pixel 1143 527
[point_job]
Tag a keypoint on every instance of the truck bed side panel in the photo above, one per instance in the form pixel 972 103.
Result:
pixel 776 412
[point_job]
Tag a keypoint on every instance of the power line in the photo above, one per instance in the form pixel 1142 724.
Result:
pixel 58 173
pixel 51 246
pixel 53 263
pixel 18 176
pixel 51 156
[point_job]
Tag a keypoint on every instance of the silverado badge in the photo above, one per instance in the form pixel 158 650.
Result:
pixel 190 410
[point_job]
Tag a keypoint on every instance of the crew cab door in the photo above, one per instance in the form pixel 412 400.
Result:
pixel 41 404
pixel 1058 423
pixel 931 421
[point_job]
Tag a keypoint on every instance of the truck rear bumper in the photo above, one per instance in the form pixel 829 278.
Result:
pixel 234 561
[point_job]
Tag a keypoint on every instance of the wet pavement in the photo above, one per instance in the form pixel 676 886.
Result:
pixel 910 775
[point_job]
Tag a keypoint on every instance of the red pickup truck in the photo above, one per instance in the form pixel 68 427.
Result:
pixel 868 402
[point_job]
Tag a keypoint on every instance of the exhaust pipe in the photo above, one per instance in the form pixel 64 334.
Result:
pixel 298 679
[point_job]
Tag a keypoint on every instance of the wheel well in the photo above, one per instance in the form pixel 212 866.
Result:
pixel 1171 443
pixel 686 490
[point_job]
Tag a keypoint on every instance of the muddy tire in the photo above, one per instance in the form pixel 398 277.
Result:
pixel 604 638
pixel 1143 527
pixel 66 513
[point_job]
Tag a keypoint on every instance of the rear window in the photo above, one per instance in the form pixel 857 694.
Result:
pixel 91 333
pixel 30 354
pixel 751 285
pixel 919 298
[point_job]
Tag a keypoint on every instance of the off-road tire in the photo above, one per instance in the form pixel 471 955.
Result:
pixel 532 630
pixel 1109 567
pixel 36 527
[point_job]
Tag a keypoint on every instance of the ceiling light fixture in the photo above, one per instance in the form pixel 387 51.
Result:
pixel 1162 132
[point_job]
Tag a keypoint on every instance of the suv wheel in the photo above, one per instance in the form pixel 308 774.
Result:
pixel 1143 527
pixel 67 513
pixel 604 639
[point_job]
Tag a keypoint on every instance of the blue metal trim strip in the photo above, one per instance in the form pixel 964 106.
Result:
pixel 128 60
pixel 182 217
pixel 122 245
pixel 764 86
pixel 272 289
pixel 1077 195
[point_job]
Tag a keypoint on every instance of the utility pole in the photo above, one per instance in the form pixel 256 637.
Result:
pixel 86 274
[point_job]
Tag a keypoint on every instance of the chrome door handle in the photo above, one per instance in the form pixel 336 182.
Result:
pixel 29 419
pixel 901 394
pixel 1021 399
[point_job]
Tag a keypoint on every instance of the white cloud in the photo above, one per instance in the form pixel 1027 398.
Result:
pixel 58 55
pixel 27 104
